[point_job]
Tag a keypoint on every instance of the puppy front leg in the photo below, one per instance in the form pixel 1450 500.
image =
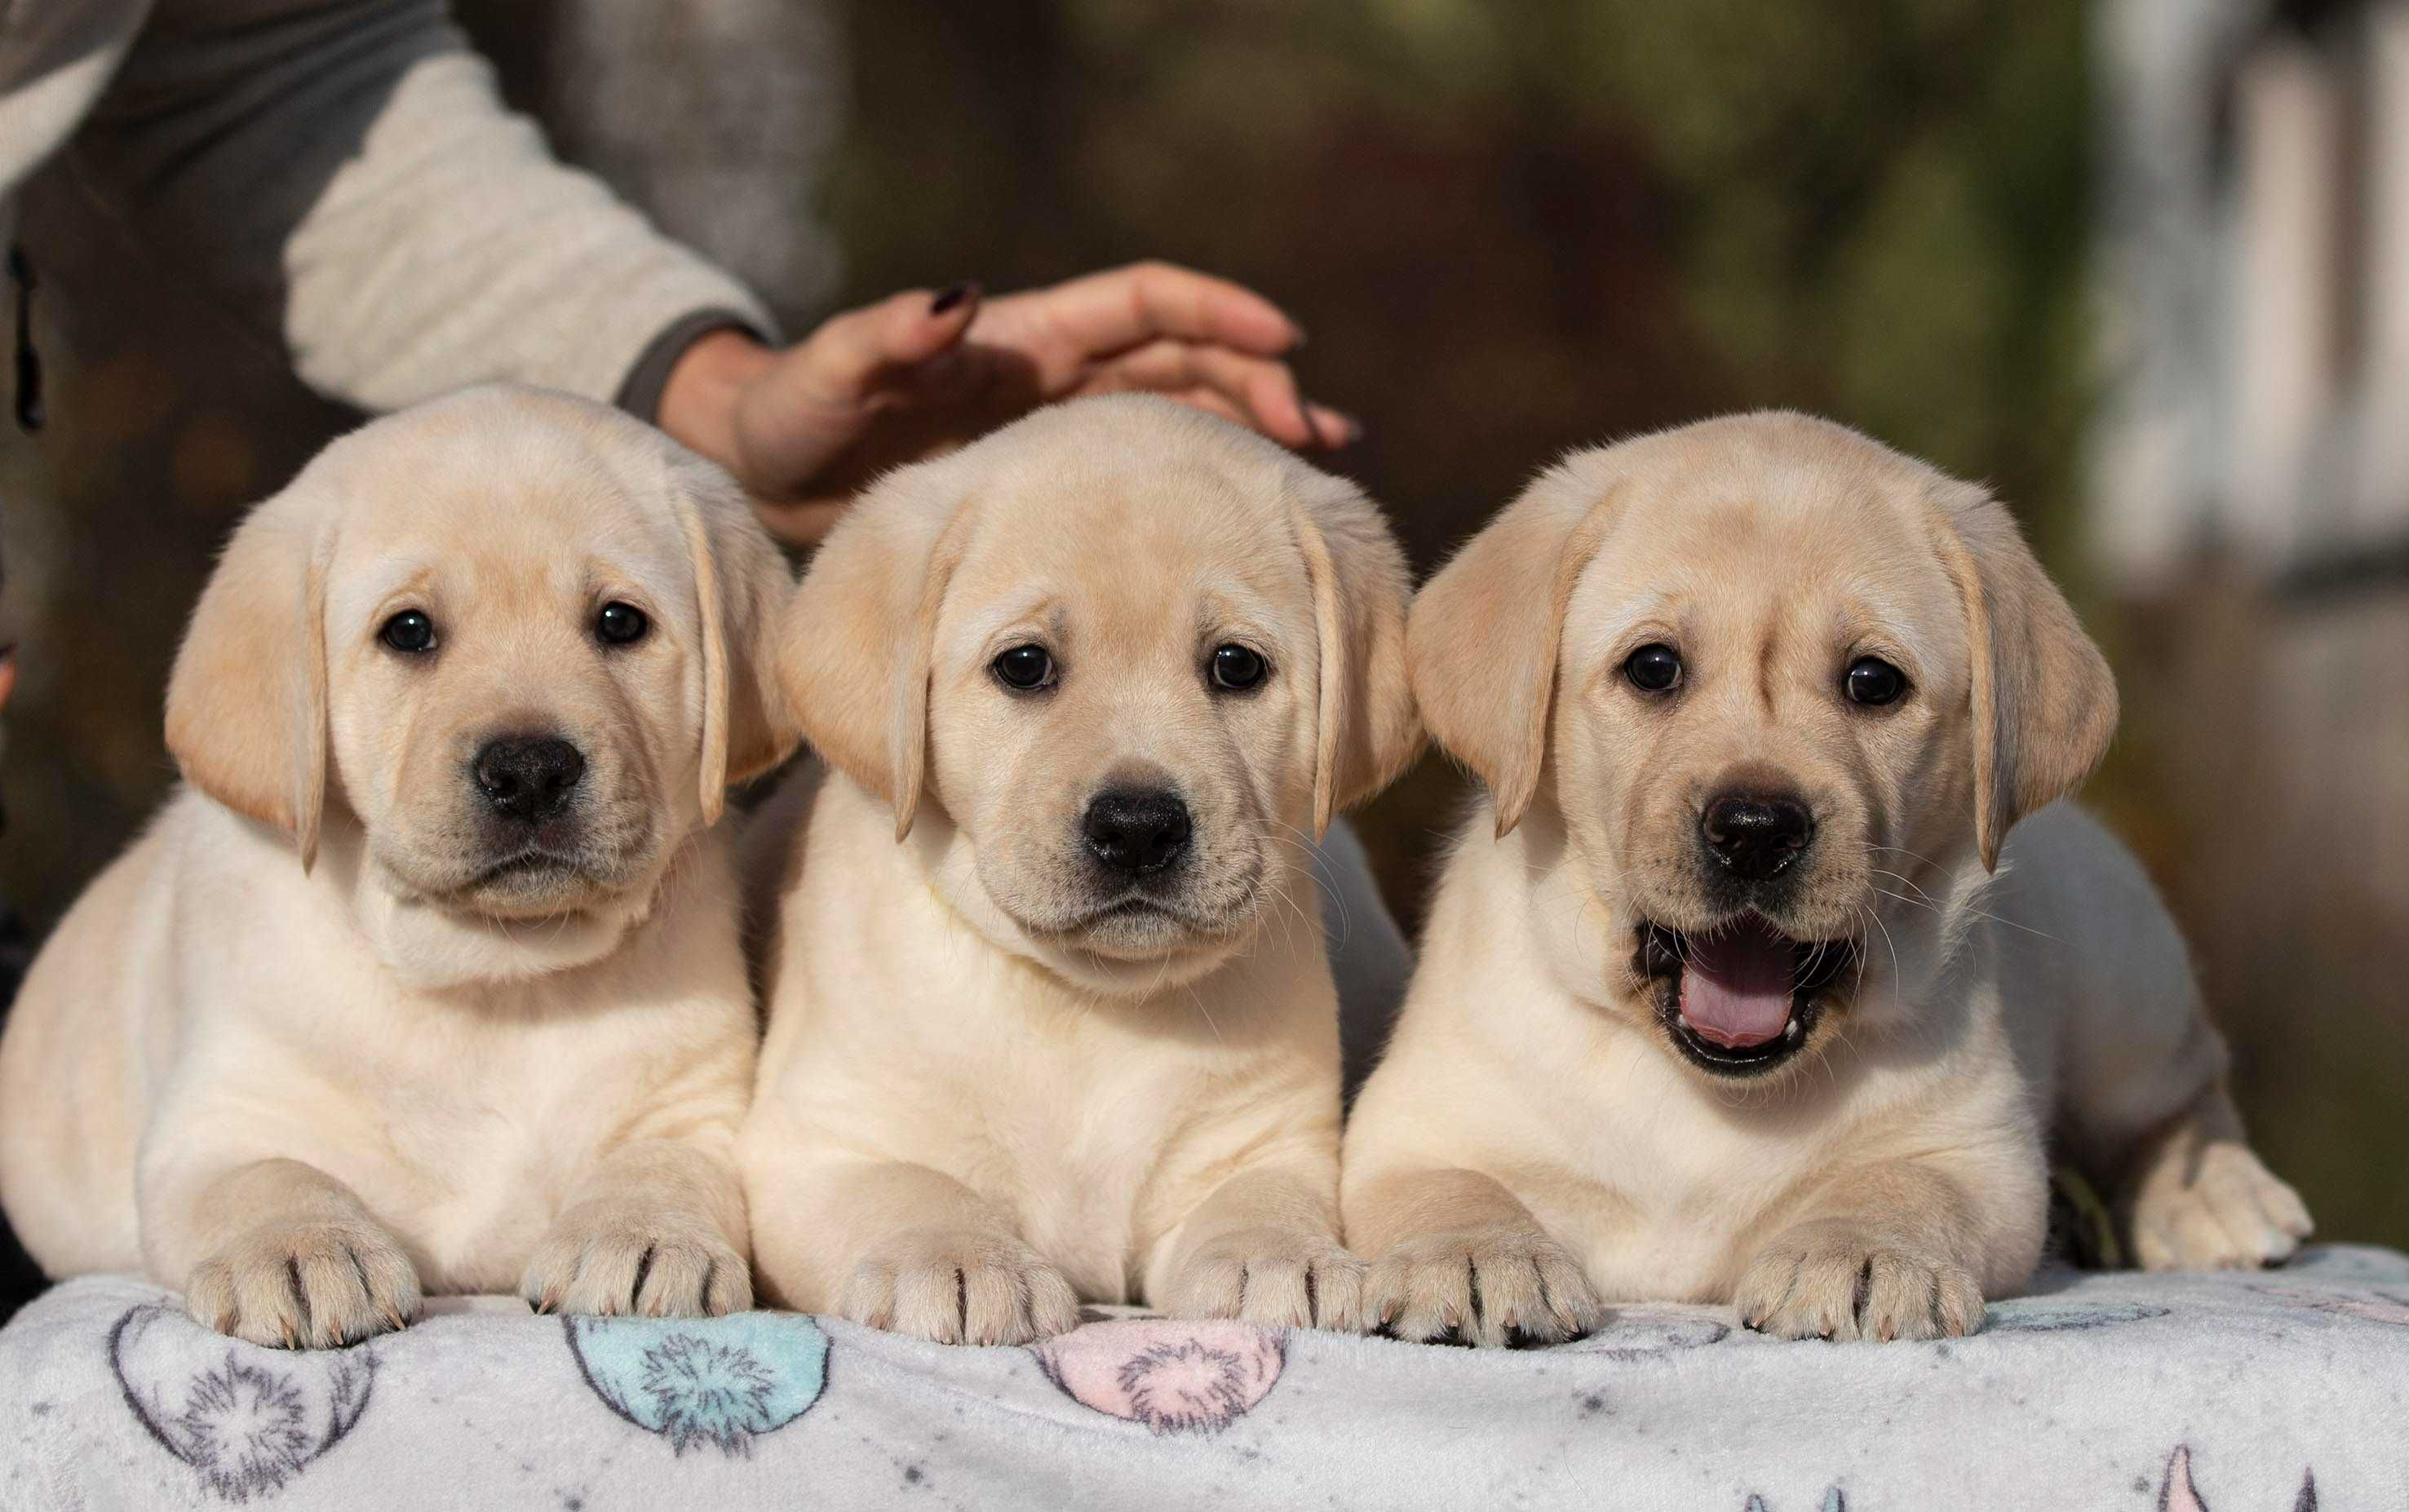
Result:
pixel 1892 1250
pixel 656 1228
pixel 1460 1259
pixel 903 1247
pixel 1263 1246
pixel 285 1254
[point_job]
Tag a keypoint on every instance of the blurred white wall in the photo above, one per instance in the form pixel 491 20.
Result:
pixel 2255 283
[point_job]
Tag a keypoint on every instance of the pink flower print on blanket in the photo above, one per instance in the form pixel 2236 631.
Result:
pixel 2391 1306
pixel 1174 1378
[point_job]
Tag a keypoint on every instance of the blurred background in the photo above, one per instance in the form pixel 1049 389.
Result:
pixel 2143 265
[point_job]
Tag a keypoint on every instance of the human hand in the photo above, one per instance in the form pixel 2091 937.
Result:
pixel 801 427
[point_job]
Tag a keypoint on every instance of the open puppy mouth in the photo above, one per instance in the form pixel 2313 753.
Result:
pixel 1742 998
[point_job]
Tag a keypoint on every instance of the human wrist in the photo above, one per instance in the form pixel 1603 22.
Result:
pixel 705 385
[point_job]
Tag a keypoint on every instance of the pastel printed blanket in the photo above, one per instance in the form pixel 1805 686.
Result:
pixel 2273 1392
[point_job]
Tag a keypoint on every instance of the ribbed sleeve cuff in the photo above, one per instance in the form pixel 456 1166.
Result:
pixel 640 392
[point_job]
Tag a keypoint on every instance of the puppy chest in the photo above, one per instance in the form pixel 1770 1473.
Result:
pixel 1664 1256
pixel 1078 1174
pixel 1669 1207
pixel 479 1169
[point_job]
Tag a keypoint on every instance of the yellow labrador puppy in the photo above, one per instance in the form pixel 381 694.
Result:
pixel 430 977
pixel 1050 1017
pixel 1737 987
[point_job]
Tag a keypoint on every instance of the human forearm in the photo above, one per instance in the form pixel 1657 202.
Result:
pixel 345 178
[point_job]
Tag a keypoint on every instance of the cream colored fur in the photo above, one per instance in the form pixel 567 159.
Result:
pixel 981 1103
pixel 300 1051
pixel 1533 1146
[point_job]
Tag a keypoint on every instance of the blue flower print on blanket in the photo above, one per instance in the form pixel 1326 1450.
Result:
pixel 703 1380
pixel 2035 1315
pixel 1637 1331
pixel 247 1419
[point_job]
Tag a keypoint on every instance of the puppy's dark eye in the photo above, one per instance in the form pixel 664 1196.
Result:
pixel 1874 682
pixel 620 625
pixel 1654 668
pixel 1024 668
pixel 1236 668
pixel 409 631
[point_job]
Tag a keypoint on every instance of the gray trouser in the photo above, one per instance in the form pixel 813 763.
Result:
pixel 1368 954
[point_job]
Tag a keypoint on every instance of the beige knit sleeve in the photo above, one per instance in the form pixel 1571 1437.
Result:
pixel 346 177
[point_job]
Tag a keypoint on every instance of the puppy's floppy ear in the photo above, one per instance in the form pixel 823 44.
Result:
pixel 1484 632
pixel 860 632
pixel 2043 701
pixel 1366 731
pixel 741 586
pixel 247 700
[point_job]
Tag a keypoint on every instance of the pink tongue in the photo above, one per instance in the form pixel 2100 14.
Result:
pixel 1735 987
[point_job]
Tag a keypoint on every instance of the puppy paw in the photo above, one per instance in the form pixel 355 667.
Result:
pixel 2219 1211
pixel 606 1257
pixel 314 1286
pixel 1839 1280
pixel 1496 1287
pixel 1287 1278
pixel 961 1287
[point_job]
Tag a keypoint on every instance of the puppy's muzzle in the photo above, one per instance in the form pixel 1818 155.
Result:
pixel 1137 833
pixel 526 780
pixel 1145 875
pixel 1755 837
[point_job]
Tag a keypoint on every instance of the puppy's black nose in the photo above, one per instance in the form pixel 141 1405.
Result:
pixel 1756 835
pixel 1136 830
pixel 528 778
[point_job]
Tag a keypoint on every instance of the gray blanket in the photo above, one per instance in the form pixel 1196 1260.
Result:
pixel 2273 1392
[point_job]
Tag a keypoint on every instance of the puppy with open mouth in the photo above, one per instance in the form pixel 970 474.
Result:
pixel 1737 986
pixel 429 978
pixel 1050 1017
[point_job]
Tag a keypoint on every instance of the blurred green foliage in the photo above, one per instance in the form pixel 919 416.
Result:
pixel 1518 227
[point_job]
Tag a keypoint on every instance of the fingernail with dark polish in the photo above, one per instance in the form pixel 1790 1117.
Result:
pixel 952 295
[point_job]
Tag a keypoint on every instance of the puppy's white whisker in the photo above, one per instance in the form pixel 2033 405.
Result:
pixel 1318 867
pixel 1197 997
pixel 1982 914
pixel 1912 856
pixel 1911 902
pixel 1898 972
pixel 1905 882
